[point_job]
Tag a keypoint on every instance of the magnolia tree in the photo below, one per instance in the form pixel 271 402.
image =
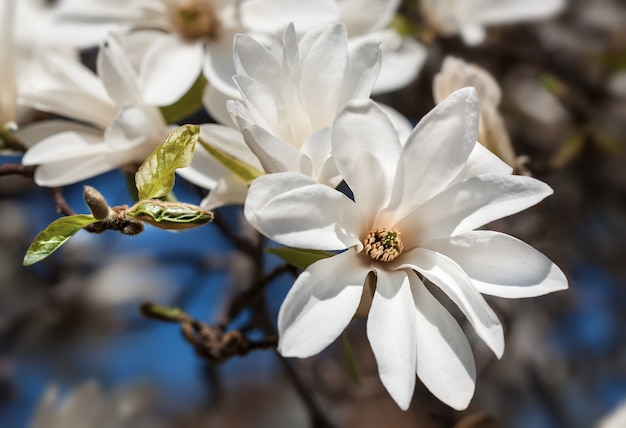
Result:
pixel 374 217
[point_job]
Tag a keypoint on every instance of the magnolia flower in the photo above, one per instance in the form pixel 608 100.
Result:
pixel 456 74
pixel 122 131
pixel 413 221
pixel 180 38
pixel 289 103
pixel 469 17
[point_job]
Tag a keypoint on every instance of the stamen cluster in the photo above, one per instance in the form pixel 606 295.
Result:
pixel 383 245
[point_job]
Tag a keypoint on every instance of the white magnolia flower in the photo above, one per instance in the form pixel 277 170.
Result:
pixel 413 219
pixel 289 103
pixel 456 74
pixel 180 38
pixel 122 129
pixel 469 17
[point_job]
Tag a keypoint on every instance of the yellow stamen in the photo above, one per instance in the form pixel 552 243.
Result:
pixel 383 245
pixel 194 19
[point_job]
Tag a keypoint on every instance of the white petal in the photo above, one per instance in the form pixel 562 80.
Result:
pixel 260 102
pixel 276 155
pixel 169 69
pixel 402 60
pixel 471 204
pixel 448 276
pixel 364 62
pixel 403 126
pixel 254 60
pixel 436 151
pixel 135 125
pixel 501 265
pixel 320 304
pixel 71 171
pixel 391 333
pixel 297 211
pixel 445 363
pixel 473 34
pixel 65 146
pixel 73 104
pixel 219 67
pixel 365 16
pixel 366 150
pixel 483 161
pixel 203 170
pixel 32 134
pixel 271 16
pixel 317 148
pixel 117 74
pixel 214 101
pixel 229 190
pixel 230 141
pixel 500 12
pixel 323 70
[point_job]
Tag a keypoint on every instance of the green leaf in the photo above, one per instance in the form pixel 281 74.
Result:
pixel 169 215
pixel 190 103
pixel 155 178
pixel 349 359
pixel 241 169
pixel 55 235
pixel 298 257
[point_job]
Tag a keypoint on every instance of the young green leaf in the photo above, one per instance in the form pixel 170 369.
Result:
pixel 155 178
pixel 298 257
pixel 169 215
pixel 241 169
pixel 55 235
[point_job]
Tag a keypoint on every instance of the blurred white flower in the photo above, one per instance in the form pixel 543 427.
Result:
pixel 402 57
pixel 413 218
pixel 122 129
pixel 615 419
pixel 88 406
pixel 8 92
pixel 469 17
pixel 179 38
pixel 456 74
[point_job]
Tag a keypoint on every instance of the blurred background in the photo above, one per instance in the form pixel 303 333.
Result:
pixel 70 326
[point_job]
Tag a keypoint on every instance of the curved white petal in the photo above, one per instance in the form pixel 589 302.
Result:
pixel 169 68
pixel 320 304
pixel 471 204
pixel 448 276
pixel 219 67
pixel 317 148
pixel 445 363
pixel 71 171
pixel 482 161
pixel 436 151
pixel 66 146
pixel 135 125
pixel 362 70
pixel 260 102
pixel 32 134
pixel 73 104
pixel 366 149
pixel 275 155
pixel 365 16
pixel 117 73
pixel 501 265
pixel 230 141
pixel 323 69
pixel 297 211
pixel 402 60
pixel 203 170
pixel 271 16
pixel 391 331
pixel 229 190
pixel 214 102
pixel 501 12
pixel 403 126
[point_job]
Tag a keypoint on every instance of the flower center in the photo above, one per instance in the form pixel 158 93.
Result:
pixel 383 245
pixel 194 19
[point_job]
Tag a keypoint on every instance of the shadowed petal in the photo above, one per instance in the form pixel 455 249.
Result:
pixel 320 304
pixel 501 265
pixel 392 335
pixel 445 363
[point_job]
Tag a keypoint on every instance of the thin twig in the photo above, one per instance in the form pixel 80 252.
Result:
pixel 17 169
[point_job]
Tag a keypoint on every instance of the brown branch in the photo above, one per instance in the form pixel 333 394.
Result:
pixel 17 169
